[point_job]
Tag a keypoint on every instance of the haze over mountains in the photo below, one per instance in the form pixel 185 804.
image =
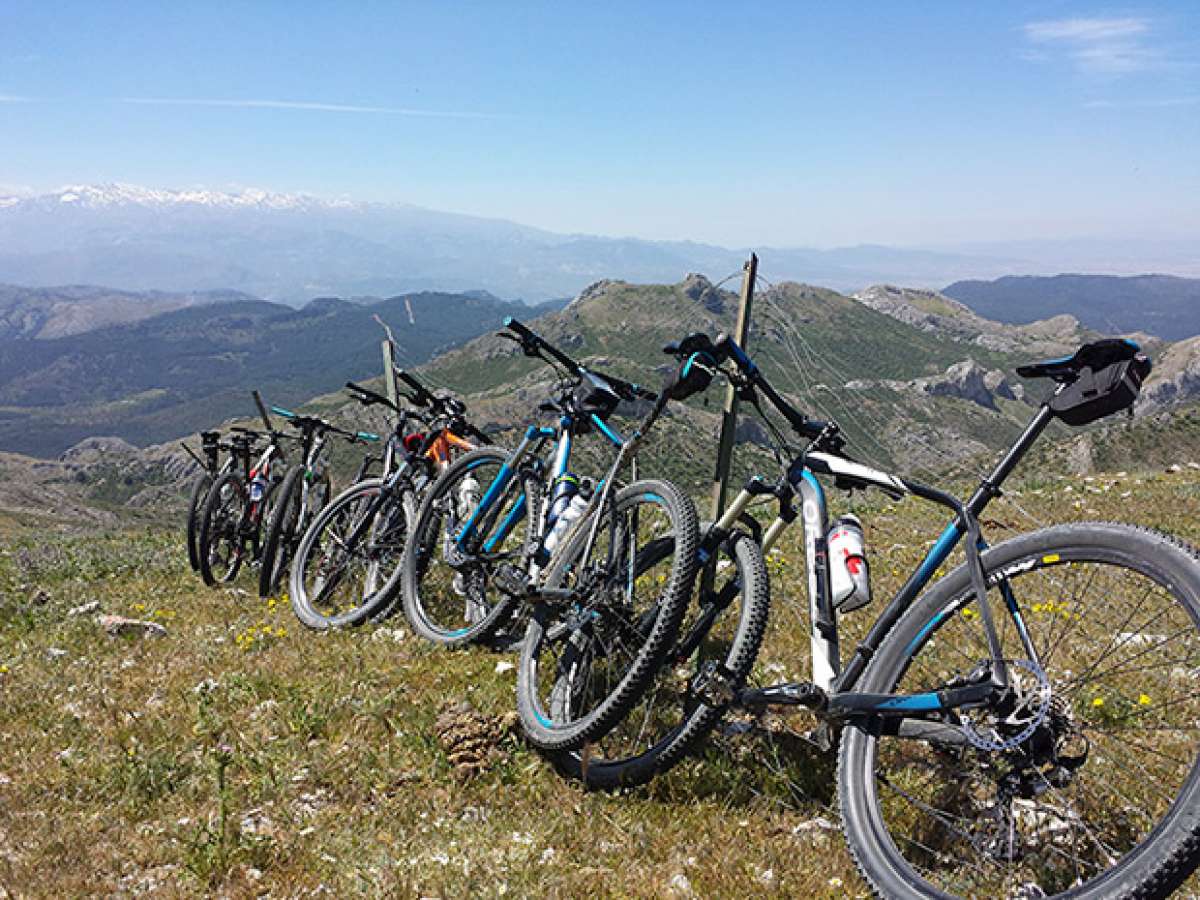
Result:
pixel 1163 305
pixel 293 247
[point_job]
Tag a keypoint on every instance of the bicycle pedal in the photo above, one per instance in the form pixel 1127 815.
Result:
pixel 798 693
pixel 510 580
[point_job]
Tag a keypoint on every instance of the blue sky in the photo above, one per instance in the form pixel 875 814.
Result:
pixel 766 124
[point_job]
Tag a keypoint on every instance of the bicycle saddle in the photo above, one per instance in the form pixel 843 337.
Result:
pixel 1094 356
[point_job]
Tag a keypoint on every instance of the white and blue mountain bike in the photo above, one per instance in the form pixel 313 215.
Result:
pixel 1025 726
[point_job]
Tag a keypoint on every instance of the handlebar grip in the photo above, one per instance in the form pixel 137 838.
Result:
pixel 423 395
pixel 367 394
pixel 726 345
pixel 367 436
pixel 513 325
pixel 280 411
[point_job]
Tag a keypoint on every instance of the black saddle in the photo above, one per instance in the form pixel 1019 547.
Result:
pixel 1094 356
pixel 1100 379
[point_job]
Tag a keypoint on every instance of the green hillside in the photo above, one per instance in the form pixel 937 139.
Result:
pixel 174 373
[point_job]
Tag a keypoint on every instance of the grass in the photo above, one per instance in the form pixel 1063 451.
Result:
pixel 241 754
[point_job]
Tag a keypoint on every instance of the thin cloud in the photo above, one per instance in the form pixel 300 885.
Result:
pixel 1152 103
pixel 1099 46
pixel 14 98
pixel 309 106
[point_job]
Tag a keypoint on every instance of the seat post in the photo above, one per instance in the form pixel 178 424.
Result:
pixel 991 485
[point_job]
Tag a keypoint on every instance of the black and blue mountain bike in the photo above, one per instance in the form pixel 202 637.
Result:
pixel 303 493
pixel 1025 726
pixel 588 560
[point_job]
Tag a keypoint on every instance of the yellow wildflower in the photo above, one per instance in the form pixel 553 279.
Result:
pixel 1097 701
pixel 1143 700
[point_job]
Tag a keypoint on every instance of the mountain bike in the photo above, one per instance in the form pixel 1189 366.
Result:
pixel 502 531
pixel 240 501
pixel 303 494
pixel 211 468
pixel 345 567
pixel 1024 726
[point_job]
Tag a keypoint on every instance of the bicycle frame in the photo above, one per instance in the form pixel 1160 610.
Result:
pixel 827 671
pixel 534 439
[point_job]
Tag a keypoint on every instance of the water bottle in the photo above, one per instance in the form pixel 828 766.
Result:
pixel 576 506
pixel 464 505
pixel 468 497
pixel 566 486
pixel 258 487
pixel 849 575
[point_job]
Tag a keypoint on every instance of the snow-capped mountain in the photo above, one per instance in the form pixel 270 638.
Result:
pixel 293 247
pixel 95 196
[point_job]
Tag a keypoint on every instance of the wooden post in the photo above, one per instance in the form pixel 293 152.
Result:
pixel 389 373
pixel 729 419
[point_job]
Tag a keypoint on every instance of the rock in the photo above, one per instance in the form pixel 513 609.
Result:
pixel 593 290
pixel 680 886
pixel 116 625
pixel 1080 460
pixel 256 822
pixel 750 431
pixel 964 380
pixel 1176 377
pixel 700 290
pixel 93 449
pixel 55 652
pixel 503 666
pixel 84 608
pixel 820 823
pixel 997 383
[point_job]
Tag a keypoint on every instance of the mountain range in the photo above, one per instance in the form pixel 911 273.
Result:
pixel 289 248
pixel 1164 305
pixel 167 374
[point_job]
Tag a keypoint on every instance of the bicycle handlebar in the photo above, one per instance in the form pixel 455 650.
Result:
pixel 533 344
pixel 726 348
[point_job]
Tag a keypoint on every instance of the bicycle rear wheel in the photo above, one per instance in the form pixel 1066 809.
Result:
pixel 221 546
pixel 722 628
pixel 1083 782
pixel 584 667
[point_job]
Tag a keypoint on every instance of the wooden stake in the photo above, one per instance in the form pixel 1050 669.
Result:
pixel 720 485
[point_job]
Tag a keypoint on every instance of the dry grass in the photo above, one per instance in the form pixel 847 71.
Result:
pixel 242 755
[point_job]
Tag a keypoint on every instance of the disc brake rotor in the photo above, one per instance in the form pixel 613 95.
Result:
pixel 1032 696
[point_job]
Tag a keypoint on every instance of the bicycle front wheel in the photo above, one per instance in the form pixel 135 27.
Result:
pixel 584 666
pixel 200 487
pixel 280 531
pixel 721 632
pixel 348 555
pixel 1082 781
pixel 446 579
